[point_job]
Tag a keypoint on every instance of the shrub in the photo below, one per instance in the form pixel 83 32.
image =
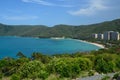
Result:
pixel 33 70
pixel 1 75
pixel 15 77
pixel 118 63
pixel 91 73
pixel 53 77
pixel 43 74
pixel 84 63
pixel 103 66
pixel 64 67
pixel 106 78
pixel 116 75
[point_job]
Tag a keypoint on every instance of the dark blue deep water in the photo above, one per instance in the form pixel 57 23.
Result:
pixel 10 46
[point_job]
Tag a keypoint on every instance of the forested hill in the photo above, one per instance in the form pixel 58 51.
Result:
pixel 82 31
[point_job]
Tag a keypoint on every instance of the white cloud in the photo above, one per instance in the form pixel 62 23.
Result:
pixel 20 17
pixel 43 2
pixel 39 2
pixel 93 7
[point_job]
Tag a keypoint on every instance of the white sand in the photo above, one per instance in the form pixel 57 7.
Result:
pixel 99 45
pixel 96 44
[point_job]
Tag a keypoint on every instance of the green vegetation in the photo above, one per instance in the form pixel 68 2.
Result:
pixel 62 66
pixel 15 77
pixel 79 32
pixel 116 75
pixel 106 78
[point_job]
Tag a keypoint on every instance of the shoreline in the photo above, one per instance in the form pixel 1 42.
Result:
pixel 96 44
pixel 99 45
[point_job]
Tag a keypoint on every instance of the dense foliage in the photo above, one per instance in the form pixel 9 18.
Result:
pixel 61 66
pixel 82 32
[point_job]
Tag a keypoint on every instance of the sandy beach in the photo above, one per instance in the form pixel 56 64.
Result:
pixel 96 44
pixel 99 45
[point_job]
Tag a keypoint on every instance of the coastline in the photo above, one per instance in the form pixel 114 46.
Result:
pixel 96 44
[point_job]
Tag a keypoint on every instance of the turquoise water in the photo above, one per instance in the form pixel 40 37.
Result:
pixel 10 46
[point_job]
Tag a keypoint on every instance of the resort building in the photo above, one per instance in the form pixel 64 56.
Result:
pixel 95 36
pixel 108 35
pixel 111 35
pixel 100 36
pixel 114 36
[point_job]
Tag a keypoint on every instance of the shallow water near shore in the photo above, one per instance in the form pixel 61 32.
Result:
pixel 10 46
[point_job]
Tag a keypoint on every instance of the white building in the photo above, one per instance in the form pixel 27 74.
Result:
pixel 114 36
pixel 100 36
pixel 111 35
pixel 106 35
pixel 95 36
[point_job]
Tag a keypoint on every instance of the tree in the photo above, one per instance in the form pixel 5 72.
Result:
pixel 6 66
pixel 33 69
pixel 101 65
pixel 36 56
pixel 64 67
pixel 20 55
pixel 84 63
pixel 118 62
pixel 15 77
pixel 40 57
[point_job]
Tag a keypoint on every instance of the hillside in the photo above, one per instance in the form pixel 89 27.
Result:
pixel 82 31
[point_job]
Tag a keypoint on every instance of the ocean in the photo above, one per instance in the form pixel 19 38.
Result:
pixel 10 46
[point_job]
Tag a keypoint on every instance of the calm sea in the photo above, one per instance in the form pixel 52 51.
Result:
pixel 10 46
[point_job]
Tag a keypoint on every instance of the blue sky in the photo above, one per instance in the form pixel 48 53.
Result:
pixel 53 12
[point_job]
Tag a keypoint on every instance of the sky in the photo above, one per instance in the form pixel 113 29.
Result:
pixel 54 12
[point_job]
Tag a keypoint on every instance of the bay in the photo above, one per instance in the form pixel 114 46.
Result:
pixel 10 46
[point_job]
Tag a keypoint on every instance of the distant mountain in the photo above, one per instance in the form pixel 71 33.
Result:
pixel 82 31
